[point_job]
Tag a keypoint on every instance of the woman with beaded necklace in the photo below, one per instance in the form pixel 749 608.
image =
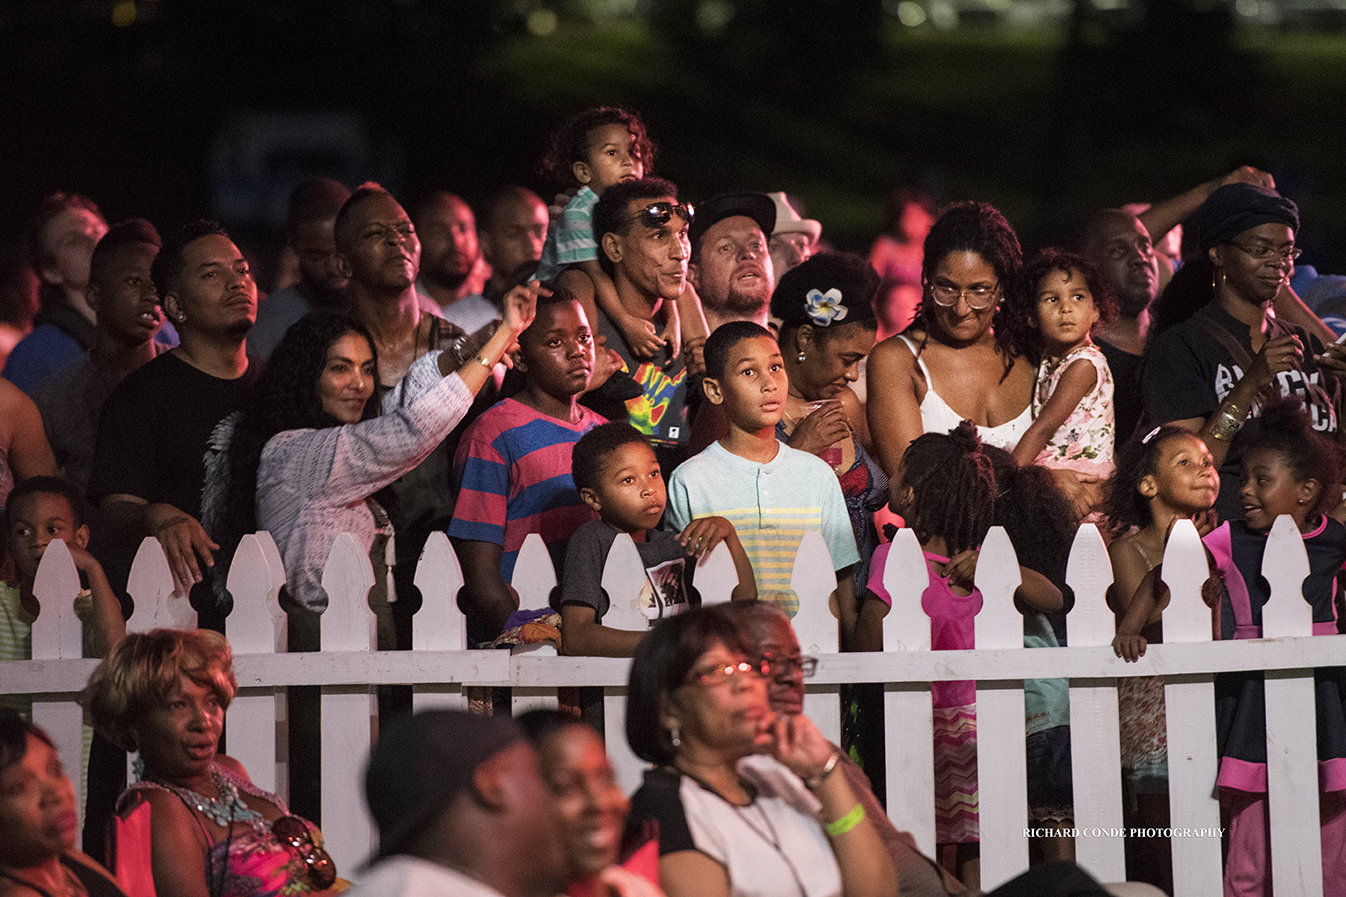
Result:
pixel 212 832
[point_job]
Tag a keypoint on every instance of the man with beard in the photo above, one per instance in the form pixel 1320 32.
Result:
pixel 512 231
pixel 731 266
pixel 453 272
pixel 149 458
pixel 1119 246
pixel 310 232
pixel 641 230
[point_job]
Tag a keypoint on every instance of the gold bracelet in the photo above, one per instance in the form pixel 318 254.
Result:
pixel 1228 423
pixel 490 366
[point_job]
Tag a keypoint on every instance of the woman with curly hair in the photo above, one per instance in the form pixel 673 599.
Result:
pixel 955 361
pixel 311 449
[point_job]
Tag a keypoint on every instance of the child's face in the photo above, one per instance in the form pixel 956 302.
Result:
pixel 1184 476
pixel 1065 310
pixel 557 350
pixel 1270 490
pixel 612 157
pixel 754 384
pixel 630 491
pixel 35 520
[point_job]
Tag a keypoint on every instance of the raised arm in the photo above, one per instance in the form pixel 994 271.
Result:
pixel 866 868
pixel 1162 217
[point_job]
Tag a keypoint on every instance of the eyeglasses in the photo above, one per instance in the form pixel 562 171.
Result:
pixel 784 666
pixel 946 295
pixel 1263 252
pixel 657 214
pixel 718 675
pixel 320 869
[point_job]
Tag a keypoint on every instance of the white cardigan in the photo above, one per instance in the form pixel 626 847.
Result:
pixel 312 484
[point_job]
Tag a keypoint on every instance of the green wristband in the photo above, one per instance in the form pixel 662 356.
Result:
pixel 846 823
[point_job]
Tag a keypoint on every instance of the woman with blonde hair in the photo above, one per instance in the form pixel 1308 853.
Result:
pixel 213 833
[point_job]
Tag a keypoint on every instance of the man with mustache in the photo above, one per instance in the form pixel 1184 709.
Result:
pixel 641 230
pixel 731 266
pixel 149 464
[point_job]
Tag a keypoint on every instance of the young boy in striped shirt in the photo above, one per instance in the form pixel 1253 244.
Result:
pixel 512 468
pixel 772 493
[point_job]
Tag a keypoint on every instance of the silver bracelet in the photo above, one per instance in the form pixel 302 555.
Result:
pixel 830 765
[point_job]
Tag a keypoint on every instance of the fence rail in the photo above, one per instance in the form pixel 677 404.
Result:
pixel 440 668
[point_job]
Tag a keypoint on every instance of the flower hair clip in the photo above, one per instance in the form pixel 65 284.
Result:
pixel 824 308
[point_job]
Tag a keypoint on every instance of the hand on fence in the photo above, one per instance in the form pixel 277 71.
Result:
pixel 1212 589
pixel 704 533
pixel 183 540
pixel 1129 647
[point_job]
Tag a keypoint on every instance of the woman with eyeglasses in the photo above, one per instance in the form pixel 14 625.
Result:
pixel 744 801
pixel 213 833
pixel 1216 351
pixel 954 363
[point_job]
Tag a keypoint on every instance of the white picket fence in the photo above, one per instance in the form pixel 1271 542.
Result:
pixel 440 667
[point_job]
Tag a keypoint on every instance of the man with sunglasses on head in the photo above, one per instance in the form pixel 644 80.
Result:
pixel 642 234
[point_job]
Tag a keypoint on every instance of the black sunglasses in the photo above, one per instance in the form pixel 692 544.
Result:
pixel 657 214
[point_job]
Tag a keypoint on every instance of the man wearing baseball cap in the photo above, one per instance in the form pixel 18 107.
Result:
pixel 461 809
pixel 731 265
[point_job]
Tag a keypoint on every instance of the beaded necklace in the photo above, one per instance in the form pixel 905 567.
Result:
pixel 223 810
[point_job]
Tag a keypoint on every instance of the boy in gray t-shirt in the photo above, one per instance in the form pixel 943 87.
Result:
pixel 617 475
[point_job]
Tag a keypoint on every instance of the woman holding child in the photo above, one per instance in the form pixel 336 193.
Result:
pixel 953 363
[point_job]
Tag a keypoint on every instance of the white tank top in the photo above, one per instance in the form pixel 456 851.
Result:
pixel 938 417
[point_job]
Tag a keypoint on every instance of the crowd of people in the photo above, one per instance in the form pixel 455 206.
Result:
pixel 693 376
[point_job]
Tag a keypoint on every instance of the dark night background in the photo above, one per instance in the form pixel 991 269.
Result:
pixel 180 108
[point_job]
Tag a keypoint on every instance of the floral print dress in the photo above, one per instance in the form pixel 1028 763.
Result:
pixel 1085 442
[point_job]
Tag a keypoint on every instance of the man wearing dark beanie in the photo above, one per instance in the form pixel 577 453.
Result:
pixel 1217 352
pixel 461 809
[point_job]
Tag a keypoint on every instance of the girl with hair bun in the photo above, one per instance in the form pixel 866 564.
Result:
pixel 946 491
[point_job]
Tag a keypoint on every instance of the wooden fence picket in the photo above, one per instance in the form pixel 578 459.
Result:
pixel 440 668
pixel 1292 724
pixel 349 712
pixel 1189 702
pixel 57 634
pixel 1095 739
pixel 910 759
pixel 1001 753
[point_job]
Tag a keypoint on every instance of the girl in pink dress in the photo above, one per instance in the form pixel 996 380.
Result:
pixel 946 491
